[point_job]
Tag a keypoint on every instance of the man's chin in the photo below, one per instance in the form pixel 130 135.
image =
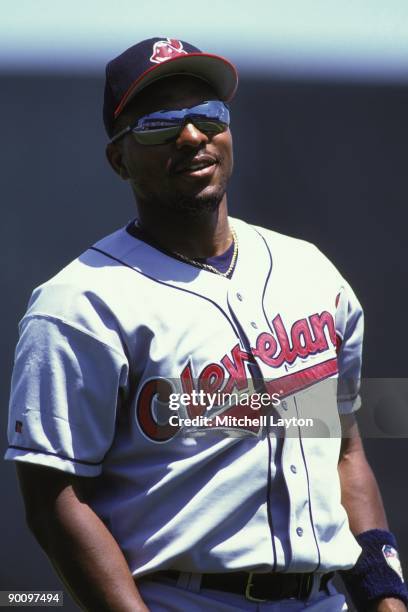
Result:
pixel 200 203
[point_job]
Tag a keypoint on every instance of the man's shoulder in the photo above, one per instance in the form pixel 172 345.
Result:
pixel 269 234
pixel 293 257
pixel 293 246
pixel 89 278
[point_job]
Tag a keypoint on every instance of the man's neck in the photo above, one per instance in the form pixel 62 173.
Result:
pixel 201 236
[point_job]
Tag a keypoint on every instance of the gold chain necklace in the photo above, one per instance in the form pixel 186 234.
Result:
pixel 205 266
pixel 210 268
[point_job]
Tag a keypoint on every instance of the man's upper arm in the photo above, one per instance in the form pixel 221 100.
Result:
pixel 351 440
pixel 42 489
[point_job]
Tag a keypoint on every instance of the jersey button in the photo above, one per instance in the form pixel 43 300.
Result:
pixel 293 469
pixel 299 531
pixel 254 325
pixel 239 296
pixel 284 405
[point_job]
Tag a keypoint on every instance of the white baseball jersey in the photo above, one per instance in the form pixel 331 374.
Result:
pixel 105 343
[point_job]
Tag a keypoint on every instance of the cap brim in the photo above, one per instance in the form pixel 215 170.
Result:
pixel 216 70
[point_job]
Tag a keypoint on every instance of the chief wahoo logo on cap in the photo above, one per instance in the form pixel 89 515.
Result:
pixel 166 49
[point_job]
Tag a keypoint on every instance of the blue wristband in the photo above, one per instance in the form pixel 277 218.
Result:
pixel 377 573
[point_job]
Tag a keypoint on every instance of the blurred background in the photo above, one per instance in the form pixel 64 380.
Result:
pixel 320 135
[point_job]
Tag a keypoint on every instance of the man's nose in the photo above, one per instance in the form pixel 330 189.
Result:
pixel 190 136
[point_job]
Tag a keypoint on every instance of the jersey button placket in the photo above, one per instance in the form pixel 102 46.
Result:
pixel 243 310
pixel 301 535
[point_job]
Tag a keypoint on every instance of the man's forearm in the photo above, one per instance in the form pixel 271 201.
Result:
pixel 360 494
pixel 84 554
pixel 89 560
pixel 362 500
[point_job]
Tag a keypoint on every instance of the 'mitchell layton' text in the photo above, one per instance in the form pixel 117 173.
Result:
pixel 255 401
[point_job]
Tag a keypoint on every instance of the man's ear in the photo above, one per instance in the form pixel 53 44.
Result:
pixel 115 158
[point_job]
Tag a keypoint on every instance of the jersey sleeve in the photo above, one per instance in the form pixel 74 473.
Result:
pixel 349 330
pixel 64 396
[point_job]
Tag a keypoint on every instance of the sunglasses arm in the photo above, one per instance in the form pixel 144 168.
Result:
pixel 126 130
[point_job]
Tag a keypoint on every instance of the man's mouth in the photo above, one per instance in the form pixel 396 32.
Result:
pixel 200 166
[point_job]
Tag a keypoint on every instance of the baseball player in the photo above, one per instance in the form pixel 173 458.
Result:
pixel 165 381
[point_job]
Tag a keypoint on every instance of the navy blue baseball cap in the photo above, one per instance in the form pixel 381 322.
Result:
pixel 155 58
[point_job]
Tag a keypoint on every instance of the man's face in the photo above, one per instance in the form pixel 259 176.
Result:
pixel 167 175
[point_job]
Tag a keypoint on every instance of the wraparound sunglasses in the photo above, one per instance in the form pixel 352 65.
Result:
pixel 211 117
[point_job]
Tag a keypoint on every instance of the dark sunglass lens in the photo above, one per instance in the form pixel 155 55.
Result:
pixel 160 136
pixel 210 126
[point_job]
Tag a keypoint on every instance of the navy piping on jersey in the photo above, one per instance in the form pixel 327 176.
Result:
pixel 247 347
pixel 268 500
pixel 219 262
pixel 269 487
pixel 123 263
pixel 300 437
pixel 308 489
pixel 44 452
pixel 266 280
